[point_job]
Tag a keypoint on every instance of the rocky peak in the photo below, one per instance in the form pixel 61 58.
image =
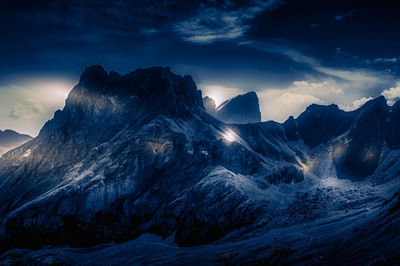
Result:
pixel 291 129
pixel 153 90
pixel 378 103
pixel 320 123
pixel 241 109
pixel 94 77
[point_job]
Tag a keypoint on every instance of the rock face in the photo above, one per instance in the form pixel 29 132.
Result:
pixel 10 139
pixel 242 109
pixel 138 153
pixel 357 138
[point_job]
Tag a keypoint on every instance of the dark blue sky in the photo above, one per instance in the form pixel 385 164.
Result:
pixel 293 53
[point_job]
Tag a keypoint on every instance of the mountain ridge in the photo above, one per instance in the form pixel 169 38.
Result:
pixel 137 153
pixel 10 139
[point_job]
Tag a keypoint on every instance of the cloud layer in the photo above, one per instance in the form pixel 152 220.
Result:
pixel 227 22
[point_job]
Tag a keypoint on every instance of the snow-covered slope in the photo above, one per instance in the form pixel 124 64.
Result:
pixel 137 153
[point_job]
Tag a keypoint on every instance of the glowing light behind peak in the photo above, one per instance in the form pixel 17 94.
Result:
pixel 27 103
pixel 219 93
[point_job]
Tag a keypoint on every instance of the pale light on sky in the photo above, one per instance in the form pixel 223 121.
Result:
pixel 27 104
pixel 219 93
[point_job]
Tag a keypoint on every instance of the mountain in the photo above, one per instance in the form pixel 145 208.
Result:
pixel 241 109
pixel 10 139
pixel 137 154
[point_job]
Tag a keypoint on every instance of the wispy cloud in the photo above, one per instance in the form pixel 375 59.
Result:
pixel 216 24
pixel 342 17
pixel 384 60
pixel 25 109
pixel 27 103
pixel 347 87
pixel 355 104
pixel 278 105
pixel 347 79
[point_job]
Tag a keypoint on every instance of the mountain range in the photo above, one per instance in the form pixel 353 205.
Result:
pixel 136 158
pixel 10 139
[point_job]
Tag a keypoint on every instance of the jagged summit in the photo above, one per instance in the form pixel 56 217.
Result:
pixel 378 101
pixel 319 123
pixel 155 89
pixel 316 107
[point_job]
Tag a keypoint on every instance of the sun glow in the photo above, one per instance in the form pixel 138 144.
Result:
pixel 219 93
pixel 229 135
pixel 216 96
pixel 28 102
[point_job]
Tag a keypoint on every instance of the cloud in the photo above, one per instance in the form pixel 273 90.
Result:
pixel 216 24
pixel 354 81
pixel 356 78
pixel 355 104
pixel 290 99
pixel 360 102
pixel 25 109
pixel 342 17
pixel 278 105
pixel 325 84
pixel 384 60
pixel 324 87
pixel 393 94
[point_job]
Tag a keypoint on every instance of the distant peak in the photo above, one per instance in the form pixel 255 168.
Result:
pixel 241 109
pixel 248 96
pixel 314 107
pixel 290 119
pixel 381 100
